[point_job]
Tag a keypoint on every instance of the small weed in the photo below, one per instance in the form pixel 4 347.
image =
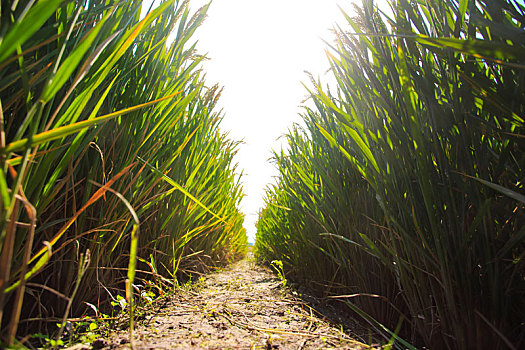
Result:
pixel 87 331
pixel 121 302
pixel 84 331
pixel 47 342
pixel 278 266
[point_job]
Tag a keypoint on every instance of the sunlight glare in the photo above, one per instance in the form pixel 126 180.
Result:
pixel 259 52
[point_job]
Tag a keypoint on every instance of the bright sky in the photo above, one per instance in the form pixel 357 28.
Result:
pixel 258 52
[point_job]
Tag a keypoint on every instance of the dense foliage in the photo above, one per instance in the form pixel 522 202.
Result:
pixel 110 151
pixel 404 195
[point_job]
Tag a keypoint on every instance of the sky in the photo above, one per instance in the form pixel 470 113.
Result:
pixel 258 52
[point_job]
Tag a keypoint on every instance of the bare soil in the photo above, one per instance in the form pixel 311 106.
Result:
pixel 242 307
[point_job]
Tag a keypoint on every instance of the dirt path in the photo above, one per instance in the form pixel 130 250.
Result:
pixel 242 307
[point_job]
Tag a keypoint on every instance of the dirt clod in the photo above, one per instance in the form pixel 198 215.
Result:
pixel 99 344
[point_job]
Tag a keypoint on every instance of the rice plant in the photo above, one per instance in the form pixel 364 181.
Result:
pixel 110 146
pixel 423 230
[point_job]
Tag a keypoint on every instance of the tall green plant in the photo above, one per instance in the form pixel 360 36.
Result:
pixel 98 111
pixel 429 103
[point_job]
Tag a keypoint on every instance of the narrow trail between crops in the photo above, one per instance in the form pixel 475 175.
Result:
pixel 242 307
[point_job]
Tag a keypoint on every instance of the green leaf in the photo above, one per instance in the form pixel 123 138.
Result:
pixel 35 269
pixel 66 130
pixel 507 192
pixel 180 188
pixel 71 62
pixel 25 27
pixel 475 47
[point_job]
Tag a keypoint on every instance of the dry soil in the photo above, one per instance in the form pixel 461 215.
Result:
pixel 242 307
